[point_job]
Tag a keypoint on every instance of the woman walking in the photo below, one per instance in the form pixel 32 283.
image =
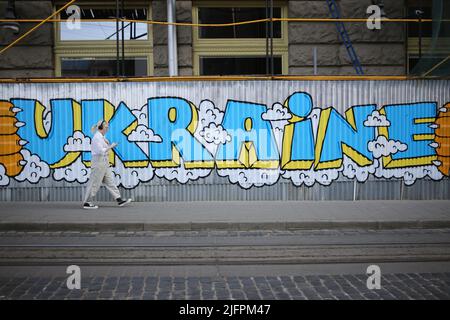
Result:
pixel 101 172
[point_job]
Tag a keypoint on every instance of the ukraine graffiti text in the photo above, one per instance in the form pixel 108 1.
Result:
pixel 251 144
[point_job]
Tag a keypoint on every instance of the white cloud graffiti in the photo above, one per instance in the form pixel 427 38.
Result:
pixel 78 142
pixel 215 134
pixel 310 177
pixel 246 178
pixel 141 115
pixel 208 113
pixel 131 177
pixel 143 134
pixel 34 169
pixel 382 147
pixel 181 174
pixel 352 170
pixel 276 113
pixel 77 171
pixel 377 120
pixel 409 175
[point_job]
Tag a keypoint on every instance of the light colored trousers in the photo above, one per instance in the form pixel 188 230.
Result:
pixel 101 173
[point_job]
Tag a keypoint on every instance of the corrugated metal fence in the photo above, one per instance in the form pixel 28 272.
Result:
pixel 338 94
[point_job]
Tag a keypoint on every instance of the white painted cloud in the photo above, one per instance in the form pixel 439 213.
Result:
pixel 4 179
pixel 209 116
pixel 409 175
pixel 77 171
pixel 78 142
pixel 351 169
pixel 131 177
pixel 34 169
pixel 141 115
pixel 208 113
pixel 216 134
pixel 377 120
pixel 384 147
pixel 247 178
pixel 309 177
pixel 276 113
pixel 181 174
pixel 143 134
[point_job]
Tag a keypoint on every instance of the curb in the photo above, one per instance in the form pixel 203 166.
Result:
pixel 231 226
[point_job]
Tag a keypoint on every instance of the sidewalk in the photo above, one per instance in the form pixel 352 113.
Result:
pixel 258 215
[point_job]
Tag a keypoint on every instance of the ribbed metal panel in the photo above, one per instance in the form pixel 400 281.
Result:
pixel 339 190
pixel 338 94
pixel 426 189
pixel 379 189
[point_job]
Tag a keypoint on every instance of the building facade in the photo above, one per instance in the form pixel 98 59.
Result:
pixel 63 49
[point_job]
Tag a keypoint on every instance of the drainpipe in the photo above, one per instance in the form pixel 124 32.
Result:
pixel 172 38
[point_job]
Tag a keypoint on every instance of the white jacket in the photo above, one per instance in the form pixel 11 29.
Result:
pixel 100 150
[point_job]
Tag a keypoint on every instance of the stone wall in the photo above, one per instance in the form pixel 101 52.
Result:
pixel 33 56
pixel 381 52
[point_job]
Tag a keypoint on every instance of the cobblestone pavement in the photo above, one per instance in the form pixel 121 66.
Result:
pixel 342 287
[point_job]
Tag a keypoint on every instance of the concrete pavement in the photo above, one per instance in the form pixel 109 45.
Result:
pixel 230 215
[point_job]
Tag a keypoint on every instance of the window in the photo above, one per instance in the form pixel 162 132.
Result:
pixel 104 30
pixel 236 65
pixel 232 15
pixel 434 50
pixel 100 67
pixel 89 49
pixel 237 50
pixel 427 28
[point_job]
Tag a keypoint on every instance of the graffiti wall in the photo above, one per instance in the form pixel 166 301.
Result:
pixel 252 133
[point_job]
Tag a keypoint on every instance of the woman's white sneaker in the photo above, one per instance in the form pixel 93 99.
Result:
pixel 88 205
